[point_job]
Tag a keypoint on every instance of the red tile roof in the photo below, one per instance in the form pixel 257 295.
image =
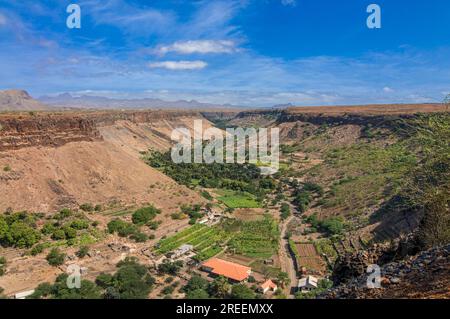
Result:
pixel 268 284
pixel 228 269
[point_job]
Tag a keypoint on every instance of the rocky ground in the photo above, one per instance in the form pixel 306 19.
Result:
pixel 426 275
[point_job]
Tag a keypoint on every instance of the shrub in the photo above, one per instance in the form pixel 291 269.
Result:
pixel 139 237
pixel 79 224
pixel 37 249
pixel 87 207
pixel 55 257
pixel 144 215
pixel 2 266
pixel 64 213
pixel 84 250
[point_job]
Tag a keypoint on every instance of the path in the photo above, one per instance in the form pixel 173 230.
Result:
pixel 286 262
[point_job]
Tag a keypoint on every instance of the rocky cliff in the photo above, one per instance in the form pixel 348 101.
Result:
pixel 56 129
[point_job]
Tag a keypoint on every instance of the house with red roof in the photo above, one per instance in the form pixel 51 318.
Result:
pixel 228 269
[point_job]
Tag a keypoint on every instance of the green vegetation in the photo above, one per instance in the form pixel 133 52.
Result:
pixel 257 239
pixel 59 290
pixel 2 266
pixel 429 189
pixel 241 291
pixel 234 199
pixel 87 207
pixel 285 211
pixel 330 226
pixel 131 281
pixel 7 168
pixel 199 288
pixel 18 230
pixel 206 240
pixel 370 173
pixel 170 268
pixel 144 215
pixel 237 177
pixel 125 229
pixel 55 257
pixel 82 252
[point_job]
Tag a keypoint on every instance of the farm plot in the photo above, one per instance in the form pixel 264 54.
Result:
pixel 234 199
pixel 258 239
pixel 307 256
pixel 207 241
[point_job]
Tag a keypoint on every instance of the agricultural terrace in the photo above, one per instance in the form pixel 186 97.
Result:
pixel 257 239
pixel 207 241
pixel 236 199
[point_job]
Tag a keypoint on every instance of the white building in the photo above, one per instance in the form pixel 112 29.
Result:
pixel 183 249
pixel 307 284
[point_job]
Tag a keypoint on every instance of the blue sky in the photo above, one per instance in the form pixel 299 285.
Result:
pixel 243 52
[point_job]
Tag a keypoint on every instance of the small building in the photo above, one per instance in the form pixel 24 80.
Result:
pixel 228 269
pixel 183 249
pixel 307 284
pixel 269 285
pixel 23 294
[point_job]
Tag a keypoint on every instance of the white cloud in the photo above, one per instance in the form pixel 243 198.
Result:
pixel 199 46
pixel 387 89
pixel 179 65
pixel 291 3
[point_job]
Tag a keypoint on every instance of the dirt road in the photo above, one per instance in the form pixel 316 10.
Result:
pixel 287 264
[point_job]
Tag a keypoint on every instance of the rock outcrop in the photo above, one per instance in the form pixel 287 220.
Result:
pixel 55 129
pixel 425 275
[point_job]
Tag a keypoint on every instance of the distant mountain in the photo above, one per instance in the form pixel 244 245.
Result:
pixel 19 100
pixel 283 106
pixel 98 102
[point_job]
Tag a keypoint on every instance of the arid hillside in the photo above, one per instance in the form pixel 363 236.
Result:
pixel 19 100
pixel 53 160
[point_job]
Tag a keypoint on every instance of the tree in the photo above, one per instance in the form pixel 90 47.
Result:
pixel 144 215
pixel 197 294
pixel 170 268
pixel 283 279
pixel 241 291
pixel 196 282
pixel 219 287
pixel 60 290
pixel 55 257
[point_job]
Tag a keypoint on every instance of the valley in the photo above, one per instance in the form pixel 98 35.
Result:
pixel 98 189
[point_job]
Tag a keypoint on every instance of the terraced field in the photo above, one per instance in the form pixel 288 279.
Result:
pixel 207 241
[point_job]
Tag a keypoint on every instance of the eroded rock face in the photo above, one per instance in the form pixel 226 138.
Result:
pixel 55 129
pixel 29 131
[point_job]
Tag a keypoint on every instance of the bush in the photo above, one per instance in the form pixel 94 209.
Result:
pixel 64 213
pixel 144 215
pixel 37 249
pixel 84 250
pixel 87 207
pixel 168 290
pixel 121 227
pixel 55 257
pixel 2 266
pixel 139 237
pixel 79 224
